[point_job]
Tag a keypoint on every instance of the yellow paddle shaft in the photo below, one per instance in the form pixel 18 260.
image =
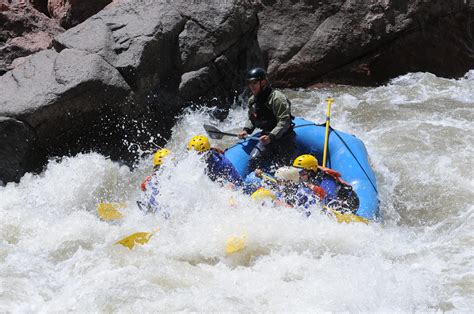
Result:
pixel 326 136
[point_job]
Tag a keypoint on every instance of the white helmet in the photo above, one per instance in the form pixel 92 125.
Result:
pixel 287 174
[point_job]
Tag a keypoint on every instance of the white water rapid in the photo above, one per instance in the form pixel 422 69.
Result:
pixel 57 255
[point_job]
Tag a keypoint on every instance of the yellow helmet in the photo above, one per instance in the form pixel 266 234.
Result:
pixel 307 162
pixel 159 156
pixel 200 143
pixel 262 194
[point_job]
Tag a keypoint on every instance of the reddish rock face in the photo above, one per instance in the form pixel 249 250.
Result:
pixel 24 31
pixel 69 13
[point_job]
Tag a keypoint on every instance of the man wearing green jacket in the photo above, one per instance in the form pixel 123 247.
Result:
pixel 270 111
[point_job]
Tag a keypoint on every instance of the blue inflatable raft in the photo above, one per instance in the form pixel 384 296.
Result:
pixel 346 154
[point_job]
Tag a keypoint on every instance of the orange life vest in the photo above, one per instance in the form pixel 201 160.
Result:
pixel 319 191
pixel 333 173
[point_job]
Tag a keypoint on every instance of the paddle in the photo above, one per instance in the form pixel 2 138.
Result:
pixel 347 218
pixel 136 238
pixel 329 101
pixel 217 134
pixel 235 244
pixel 109 211
pixel 260 174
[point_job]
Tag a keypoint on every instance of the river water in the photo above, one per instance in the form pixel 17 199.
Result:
pixel 56 255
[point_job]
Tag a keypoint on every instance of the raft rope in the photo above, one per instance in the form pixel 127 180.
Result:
pixel 347 146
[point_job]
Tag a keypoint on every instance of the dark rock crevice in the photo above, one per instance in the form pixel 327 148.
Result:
pixel 205 92
pixel 17 140
pixel 189 18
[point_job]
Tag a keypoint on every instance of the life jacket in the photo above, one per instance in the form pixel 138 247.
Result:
pixel 150 186
pixel 260 115
pixel 333 173
pixel 326 184
pixel 304 197
pixel 319 191
pixel 145 183
pixel 219 167
pixel 343 191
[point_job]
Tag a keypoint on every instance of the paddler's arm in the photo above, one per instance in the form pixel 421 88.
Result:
pixel 249 127
pixel 280 107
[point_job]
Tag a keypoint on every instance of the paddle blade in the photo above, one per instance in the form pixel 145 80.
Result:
pixel 109 211
pixel 235 244
pixel 213 132
pixel 263 194
pixel 347 218
pixel 136 238
pixel 232 201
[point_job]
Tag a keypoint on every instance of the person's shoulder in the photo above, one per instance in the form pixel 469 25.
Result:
pixel 278 95
pixel 216 151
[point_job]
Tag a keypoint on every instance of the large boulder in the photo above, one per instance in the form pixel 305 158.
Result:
pixel 70 100
pixel 364 43
pixel 160 47
pixel 139 40
pixel 69 13
pixel 217 45
pixel 126 70
pixel 23 32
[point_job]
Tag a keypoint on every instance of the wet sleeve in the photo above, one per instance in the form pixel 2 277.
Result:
pixel 305 197
pixel 212 162
pixel 249 127
pixel 280 107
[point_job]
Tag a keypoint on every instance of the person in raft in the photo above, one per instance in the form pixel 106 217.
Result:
pixel 270 111
pixel 150 186
pixel 218 167
pixel 324 183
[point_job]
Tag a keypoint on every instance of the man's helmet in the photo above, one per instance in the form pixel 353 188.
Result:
pixel 307 162
pixel 159 156
pixel 256 74
pixel 200 143
pixel 287 174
